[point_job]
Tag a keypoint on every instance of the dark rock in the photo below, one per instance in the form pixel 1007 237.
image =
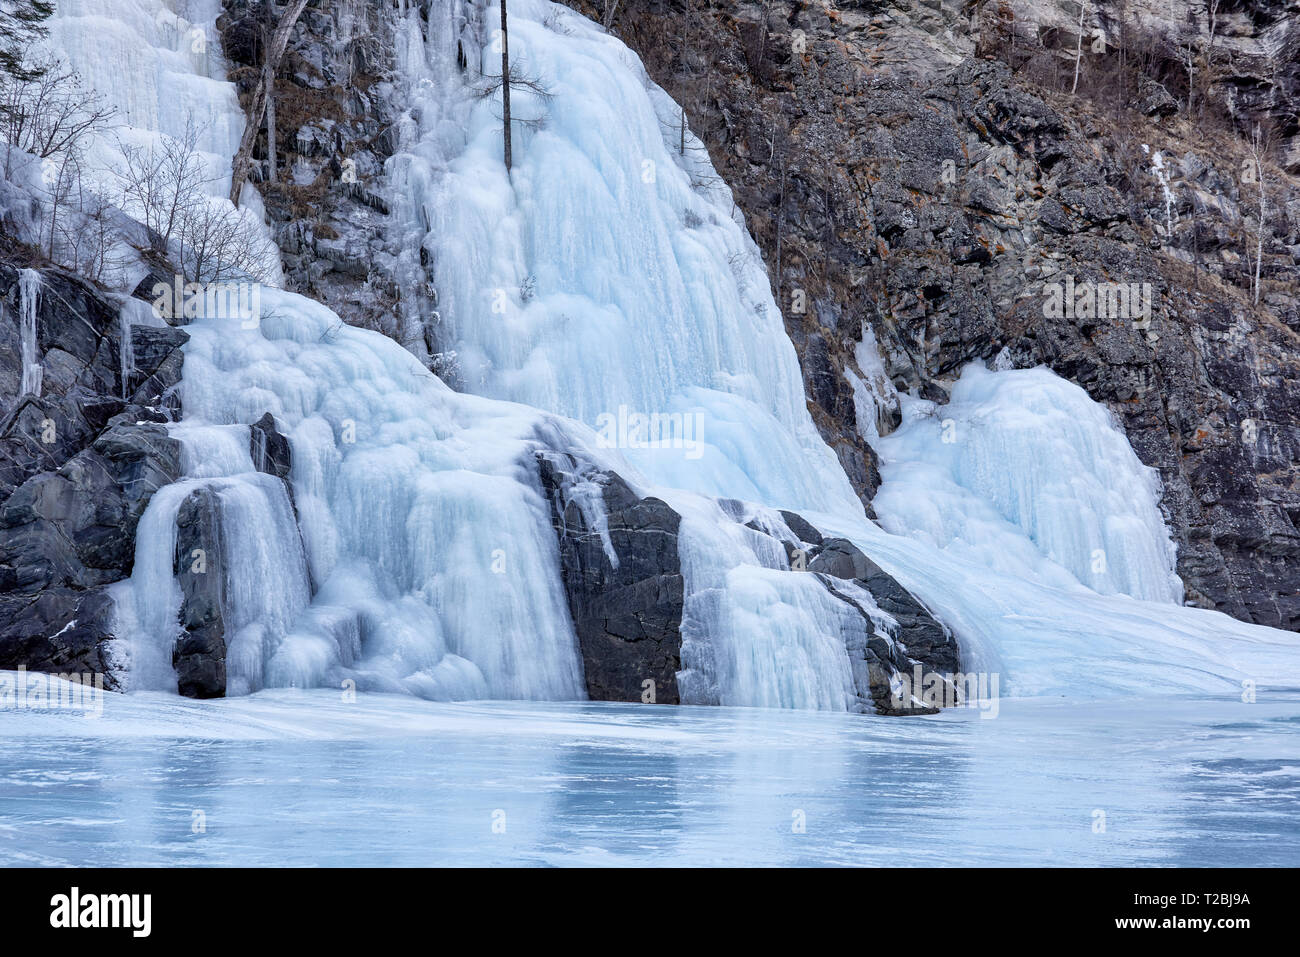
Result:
pixel 78 466
pixel 930 189
pixel 627 618
pixel 270 448
pixel 1154 100
pixel 326 207
pixel 200 653
pixel 802 528
pixel 627 608
pixel 923 637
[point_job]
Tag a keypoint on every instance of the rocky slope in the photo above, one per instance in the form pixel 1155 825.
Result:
pixel 622 575
pixel 919 175
pixel 79 462
pixel 336 115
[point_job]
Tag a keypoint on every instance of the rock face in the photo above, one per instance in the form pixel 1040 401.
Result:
pixel 924 639
pixel 78 465
pixel 269 448
pixel 622 576
pixel 621 570
pixel 919 174
pixel 336 122
pixel 200 653
pixel 199 562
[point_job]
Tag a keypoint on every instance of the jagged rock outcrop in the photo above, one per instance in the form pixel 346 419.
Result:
pixel 621 570
pixel 622 576
pixel 923 637
pixel 336 123
pixel 199 564
pixel 269 448
pixel 918 174
pixel 78 465
pixel 200 653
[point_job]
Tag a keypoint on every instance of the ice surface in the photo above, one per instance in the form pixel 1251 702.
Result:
pixel 307 778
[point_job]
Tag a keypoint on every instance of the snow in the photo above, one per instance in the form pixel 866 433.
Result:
pixel 405 492
pixel 606 270
pixel 1023 472
pixel 1161 172
pixel 874 395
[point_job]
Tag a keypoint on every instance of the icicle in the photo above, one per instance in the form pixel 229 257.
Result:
pixel 1161 172
pixel 29 292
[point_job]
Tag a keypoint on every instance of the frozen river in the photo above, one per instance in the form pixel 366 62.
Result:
pixel 306 778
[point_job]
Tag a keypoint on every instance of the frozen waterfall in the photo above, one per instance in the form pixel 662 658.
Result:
pixel 29 292
pixel 1023 472
pixel 609 276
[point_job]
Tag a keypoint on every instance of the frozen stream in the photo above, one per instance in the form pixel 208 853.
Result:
pixel 305 778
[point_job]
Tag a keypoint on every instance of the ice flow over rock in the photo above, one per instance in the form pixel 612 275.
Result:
pixel 608 273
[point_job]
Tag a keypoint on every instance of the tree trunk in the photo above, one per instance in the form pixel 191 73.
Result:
pixel 270 124
pixel 1078 50
pixel 268 77
pixel 1259 236
pixel 780 231
pixel 505 82
pixel 257 108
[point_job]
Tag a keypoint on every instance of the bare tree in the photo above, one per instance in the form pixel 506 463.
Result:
pixel 272 54
pixel 63 183
pixel 505 82
pixel 47 111
pixel 97 238
pixel 1078 50
pixel 779 150
pixel 222 245
pixel 268 78
pixel 165 184
pixel 607 18
pixel 83 232
pixel 1212 15
pixel 1187 56
pixel 510 78
pixel 1260 144
pixel 22 23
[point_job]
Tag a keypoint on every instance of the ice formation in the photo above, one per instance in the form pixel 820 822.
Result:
pixel 609 271
pixel 157 65
pixel 29 292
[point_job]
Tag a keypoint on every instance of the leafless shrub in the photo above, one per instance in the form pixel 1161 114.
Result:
pixel 164 184
pixel 490 87
pixel 220 244
pixel 47 113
